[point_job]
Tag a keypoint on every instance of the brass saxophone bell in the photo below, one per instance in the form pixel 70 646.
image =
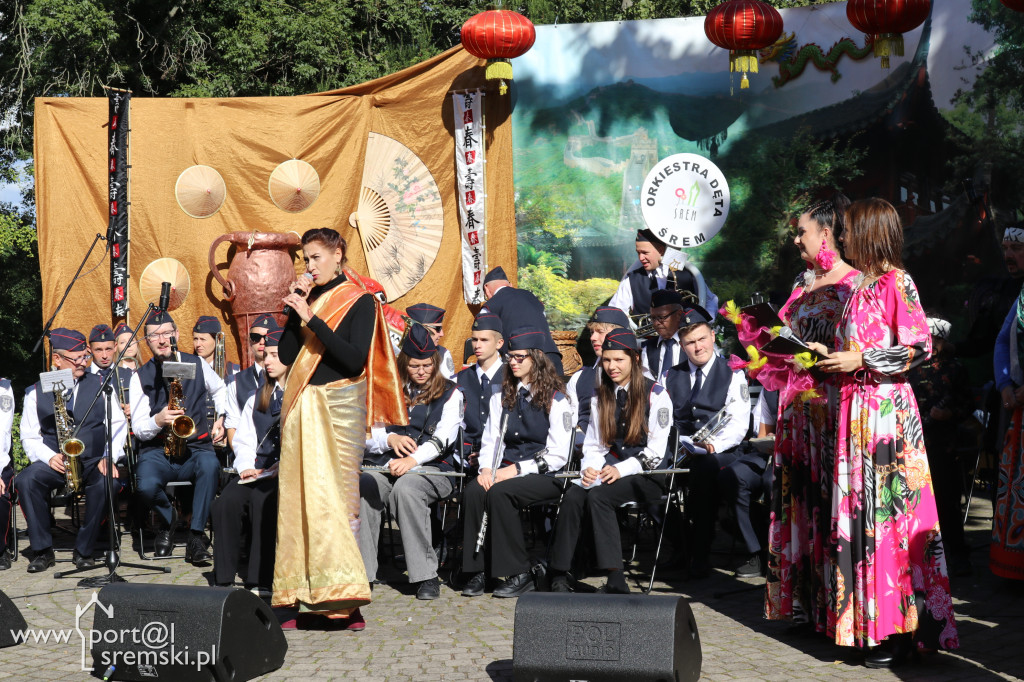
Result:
pixel 72 447
pixel 183 426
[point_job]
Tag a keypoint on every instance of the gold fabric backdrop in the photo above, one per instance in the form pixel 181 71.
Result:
pixel 245 139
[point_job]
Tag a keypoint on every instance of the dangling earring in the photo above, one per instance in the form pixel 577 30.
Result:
pixel 826 258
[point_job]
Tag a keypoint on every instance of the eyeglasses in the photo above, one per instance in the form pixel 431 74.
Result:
pixel 153 336
pixel 81 360
pixel 662 318
pixel 257 338
pixel 518 358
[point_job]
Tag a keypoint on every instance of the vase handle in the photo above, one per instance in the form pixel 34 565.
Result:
pixel 229 287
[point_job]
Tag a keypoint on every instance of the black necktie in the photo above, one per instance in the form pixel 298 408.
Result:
pixel 69 400
pixel 523 395
pixel 104 371
pixel 485 387
pixel 667 363
pixel 695 389
pixel 654 282
pixel 275 402
pixel 620 400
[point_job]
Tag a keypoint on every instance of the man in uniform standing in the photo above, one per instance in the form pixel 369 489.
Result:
pixel 519 308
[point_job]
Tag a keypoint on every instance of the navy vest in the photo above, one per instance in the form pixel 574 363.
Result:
pixel 477 404
pixel 423 420
pixel 245 385
pixel 619 451
pixel 527 431
pixel 687 415
pixel 268 435
pixel 640 287
pixel 155 387
pixel 93 431
pixel 585 387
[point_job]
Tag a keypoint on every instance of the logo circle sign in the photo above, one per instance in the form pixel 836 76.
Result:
pixel 685 200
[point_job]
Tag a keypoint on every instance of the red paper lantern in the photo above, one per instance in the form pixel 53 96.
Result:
pixel 498 35
pixel 886 21
pixel 743 27
pixel 1015 5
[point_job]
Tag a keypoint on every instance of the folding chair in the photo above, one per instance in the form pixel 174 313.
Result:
pixel 175 517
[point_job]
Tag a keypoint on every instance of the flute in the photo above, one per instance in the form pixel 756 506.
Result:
pixel 651 472
pixel 415 470
pixel 499 449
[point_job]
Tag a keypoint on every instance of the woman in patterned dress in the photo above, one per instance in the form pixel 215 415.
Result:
pixel 801 507
pixel 889 578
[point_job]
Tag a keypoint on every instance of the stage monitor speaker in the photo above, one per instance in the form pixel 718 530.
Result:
pixel 10 620
pixel 184 633
pixel 604 638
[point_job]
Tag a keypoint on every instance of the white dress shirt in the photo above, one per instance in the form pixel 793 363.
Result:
pixel 143 424
pixel 246 441
pixel 32 439
pixel 447 431
pixel 659 424
pixel 623 298
pixel 233 415
pixel 763 413
pixel 738 402
pixel 6 424
pixel 558 440
pixel 447 364
pixel 570 387
pixel 677 356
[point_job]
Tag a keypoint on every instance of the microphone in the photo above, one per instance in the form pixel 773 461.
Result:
pixel 165 296
pixel 288 309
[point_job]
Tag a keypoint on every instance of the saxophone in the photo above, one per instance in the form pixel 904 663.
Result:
pixel 183 426
pixel 71 447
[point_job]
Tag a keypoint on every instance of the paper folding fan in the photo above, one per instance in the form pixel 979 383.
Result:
pixel 400 218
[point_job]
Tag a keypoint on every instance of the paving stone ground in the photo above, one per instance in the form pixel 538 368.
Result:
pixel 456 638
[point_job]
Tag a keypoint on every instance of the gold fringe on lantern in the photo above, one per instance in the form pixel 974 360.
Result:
pixel 886 45
pixel 744 61
pixel 499 70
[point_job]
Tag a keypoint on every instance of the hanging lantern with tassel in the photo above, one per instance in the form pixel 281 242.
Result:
pixel 887 21
pixel 498 35
pixel 743 27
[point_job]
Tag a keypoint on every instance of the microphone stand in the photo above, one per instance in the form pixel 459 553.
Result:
pixel 49 322
pixel 112 557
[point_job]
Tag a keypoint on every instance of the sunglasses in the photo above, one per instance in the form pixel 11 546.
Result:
pixel 257 338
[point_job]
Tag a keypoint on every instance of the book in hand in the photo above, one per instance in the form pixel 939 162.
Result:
pixel 269 472
pixel 790 345
pixel 764 315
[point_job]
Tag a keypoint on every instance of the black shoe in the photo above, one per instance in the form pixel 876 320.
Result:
pixel 560 583
pixel 5 561
pixel 195 550
pixel 81 561
pixel 42 561
pixel 429 589
pixel 164 546
pixel 751 569
pixel 700 568
pixel 890 653
pixel 475 586
pixel 515 586
pixel 616 584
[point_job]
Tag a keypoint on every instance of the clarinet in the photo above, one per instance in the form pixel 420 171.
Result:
pixel 499 450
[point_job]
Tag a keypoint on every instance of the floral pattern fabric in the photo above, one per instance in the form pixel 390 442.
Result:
pixel 799 558
pixel 889 570
pixel 1006 553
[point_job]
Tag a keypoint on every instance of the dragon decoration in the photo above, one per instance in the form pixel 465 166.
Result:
pixel 793 61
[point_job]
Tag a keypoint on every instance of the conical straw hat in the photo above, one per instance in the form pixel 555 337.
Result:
pixel 200 191
pixel 294 186
pixel 165 270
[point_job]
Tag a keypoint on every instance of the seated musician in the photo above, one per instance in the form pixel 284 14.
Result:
pixel 427 443
pixel 652 273
pixel 164 457
pixel 480 381
pixel 664 351
pixel 584 382
pixel 745 480
pixel 103 348
pixel 432 318
pixel 6 472
pixel 701 387
pixel 630 421
pixel 252 494
pixel 41 441
pixel 204 342
pixel 517 464
pixel 243 385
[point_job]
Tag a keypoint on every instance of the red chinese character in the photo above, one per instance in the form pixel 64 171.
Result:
pixel 118 293
pixel 113 207
pixel 470 198
pixel 470 158
pixel 116 248
pixel 113 165
pixel 467 116
pixel 473 238
pixel 476 278
pixel 113 123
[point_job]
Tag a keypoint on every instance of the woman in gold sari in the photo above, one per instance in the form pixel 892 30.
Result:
pixel 343 376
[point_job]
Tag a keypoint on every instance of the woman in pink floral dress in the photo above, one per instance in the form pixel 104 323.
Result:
pixel 801 498
pixel 890 580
